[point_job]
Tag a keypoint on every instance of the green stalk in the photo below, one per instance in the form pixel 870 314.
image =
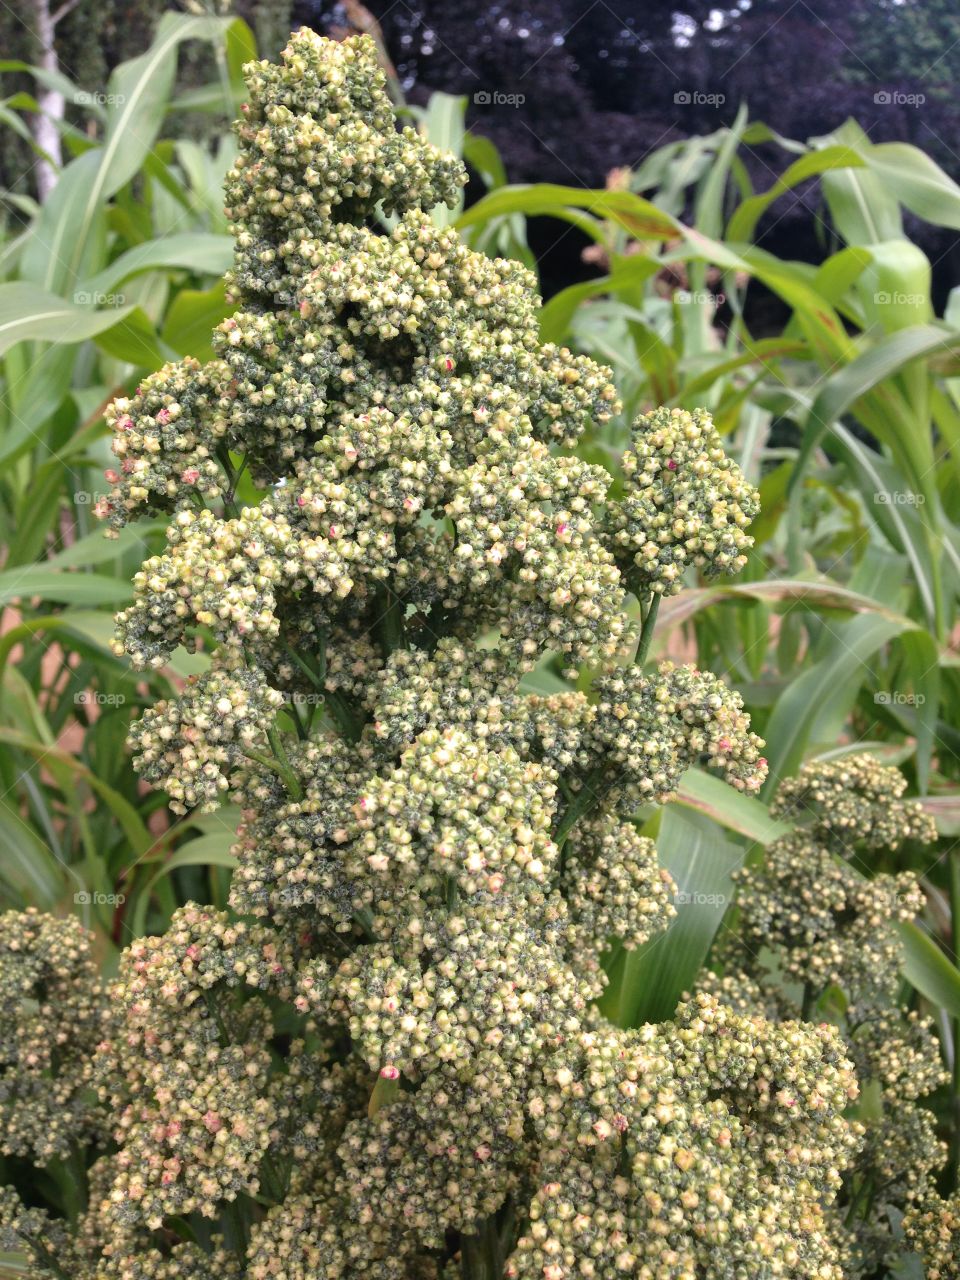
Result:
pixel 343 717
pixel 646 629
pixel 480 1254
pixel 285 767
pixel 583 802
pixel 391 622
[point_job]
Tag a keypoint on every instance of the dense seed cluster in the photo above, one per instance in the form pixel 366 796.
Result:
pixel 809 916
pixel 185 1067
pixel 385 1060
pixel 667 1151
pixel 933 1227
pixel 50 1020
pixel 852 803
pixel 684 503
pixel 189 745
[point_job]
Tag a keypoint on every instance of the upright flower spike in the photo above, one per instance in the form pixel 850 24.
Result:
pixel 398 1069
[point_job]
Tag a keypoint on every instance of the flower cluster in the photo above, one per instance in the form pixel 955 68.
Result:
pixel 684 503
pixel 188 745
pixel 933 1228
pixel 50 1021
pixel 853 803
pixel 385 1059
pixel 166 439
pixel 666 1151
pixel 809 918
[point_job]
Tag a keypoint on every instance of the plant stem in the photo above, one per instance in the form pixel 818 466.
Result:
pixel 391 622
pixel 285 769
pixel 808 1002
pixel 587 798
pixel 480 1254
pixel 647 626
pixel 235 1227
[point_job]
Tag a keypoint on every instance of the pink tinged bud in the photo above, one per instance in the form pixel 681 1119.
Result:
pixel 301 501
pixel 193 952
pixel 125 424
pixel 334 531
pixel 671 465
pixel 112 476
pixel 483 1152
pixel 212 1121
pixel 621 1123
pixel 389 1072
pixel 101 508
pixel 562 528
pixel 725 744
pixel 163 415
pixel 190 476
pixel 449 364
pixel 128 465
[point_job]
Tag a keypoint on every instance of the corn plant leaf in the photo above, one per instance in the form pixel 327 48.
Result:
pixel 928 970
pixel 69 239
pixel 639 217
pixel 743 223
pixel 62 587
pixel 646 984
pixel 198 252
pixel 825 692
pixel 716 799
pixel 28 313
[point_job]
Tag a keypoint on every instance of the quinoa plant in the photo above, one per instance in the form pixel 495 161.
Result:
pixel 385 1060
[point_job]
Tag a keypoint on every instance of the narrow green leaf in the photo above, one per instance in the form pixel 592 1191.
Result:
pixel 28 313
pixel 716 799
pixel 743 223
pixel 928 970
pixel 647 983
pixel 62 587
pixel 197 252
pixel 825 691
